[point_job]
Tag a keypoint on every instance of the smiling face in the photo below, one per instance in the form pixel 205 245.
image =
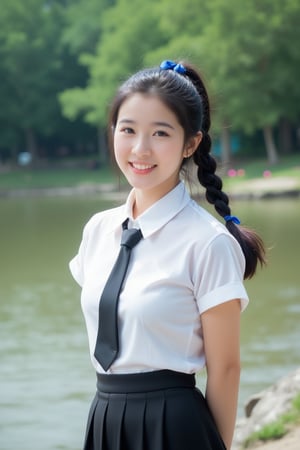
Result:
pixel 149 147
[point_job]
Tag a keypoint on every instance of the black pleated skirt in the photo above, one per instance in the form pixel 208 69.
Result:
pixel 161 410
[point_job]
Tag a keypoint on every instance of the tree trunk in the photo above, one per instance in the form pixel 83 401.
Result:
pixel 102 147
pixel 14 153
pixel 285 136
pixel 31 145
pixel 270 145
pixel 225 146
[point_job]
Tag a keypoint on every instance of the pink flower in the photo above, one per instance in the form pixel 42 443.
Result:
pixel 231 173
pixel 267 173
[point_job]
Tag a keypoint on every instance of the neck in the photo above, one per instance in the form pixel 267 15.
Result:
pixel 141 203
pixel 143 200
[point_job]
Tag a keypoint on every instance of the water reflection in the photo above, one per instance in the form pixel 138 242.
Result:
pixel 46 378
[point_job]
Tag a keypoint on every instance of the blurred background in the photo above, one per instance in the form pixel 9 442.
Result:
pixel 60 63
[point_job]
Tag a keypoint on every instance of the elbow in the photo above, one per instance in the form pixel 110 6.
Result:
pixel 233 370
pixel 226 370
pixel 233 366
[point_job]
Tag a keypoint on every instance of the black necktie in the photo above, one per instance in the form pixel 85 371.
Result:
pixel 107 343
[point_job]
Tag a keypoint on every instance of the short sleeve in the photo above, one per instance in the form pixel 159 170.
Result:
pixel 219 274
pixel 76 264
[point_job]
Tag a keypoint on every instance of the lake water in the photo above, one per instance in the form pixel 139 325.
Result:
pixel 46 380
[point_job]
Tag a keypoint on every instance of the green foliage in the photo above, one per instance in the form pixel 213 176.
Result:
pixel 32 70
pixel 82 29
pixel 275 430
pixel 29 63
pixel 296 404
pixel 246 50
pixel 67 57
pixel 35 66
pixel 129 30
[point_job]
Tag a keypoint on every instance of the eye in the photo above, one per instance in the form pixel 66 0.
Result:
pixel 161 133
pixel 127 130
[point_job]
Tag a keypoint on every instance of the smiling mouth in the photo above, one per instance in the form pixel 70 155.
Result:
pixel 142 167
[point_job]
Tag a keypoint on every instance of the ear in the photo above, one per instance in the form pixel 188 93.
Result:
pixel 192 144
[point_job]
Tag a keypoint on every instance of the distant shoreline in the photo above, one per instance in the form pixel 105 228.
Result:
pixel 107 190
pixel 110 191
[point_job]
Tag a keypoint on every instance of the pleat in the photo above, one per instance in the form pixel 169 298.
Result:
pixel 89 426
pixel 188 424
pixel 134 423
pixel 158 419
pixel 155 422
pixel 114 422
pixel 99 424
pixel 206 423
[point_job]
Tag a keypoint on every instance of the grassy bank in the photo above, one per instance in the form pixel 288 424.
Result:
pixel 239 174
pixel 49 178
pixel 245 173
pixel 279 428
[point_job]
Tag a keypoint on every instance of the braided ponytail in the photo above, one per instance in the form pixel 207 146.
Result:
pixel 250 242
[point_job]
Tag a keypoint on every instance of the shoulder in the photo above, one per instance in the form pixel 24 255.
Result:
pixel 207 235
pixel 105 221
pixel 202 224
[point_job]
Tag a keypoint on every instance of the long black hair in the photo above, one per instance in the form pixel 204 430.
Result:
pixel 185 94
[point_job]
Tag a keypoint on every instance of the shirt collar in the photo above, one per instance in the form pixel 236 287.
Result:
pixel 161 212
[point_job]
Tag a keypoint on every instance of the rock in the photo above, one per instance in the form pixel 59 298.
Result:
pixel 267 406
pixel 252 402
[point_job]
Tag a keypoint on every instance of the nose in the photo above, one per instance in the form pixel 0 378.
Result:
pixel 141 146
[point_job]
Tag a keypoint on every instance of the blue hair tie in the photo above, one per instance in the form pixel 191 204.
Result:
pixel 170 65
pixel 233 219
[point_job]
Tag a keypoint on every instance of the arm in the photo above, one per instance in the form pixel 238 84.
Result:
pixel 221 333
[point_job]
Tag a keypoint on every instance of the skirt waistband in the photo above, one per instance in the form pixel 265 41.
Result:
pixel 143 382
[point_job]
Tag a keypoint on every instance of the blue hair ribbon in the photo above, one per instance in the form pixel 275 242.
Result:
pixel 171 65
pixel 233 219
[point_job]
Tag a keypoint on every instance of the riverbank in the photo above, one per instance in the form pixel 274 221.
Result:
pixel 265 188
pixel 291 441
pixel 254 189
pixel 108 191
pixel 272 417
pixel 244 180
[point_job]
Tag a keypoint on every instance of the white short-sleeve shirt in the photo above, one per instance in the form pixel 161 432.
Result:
pixel 186 263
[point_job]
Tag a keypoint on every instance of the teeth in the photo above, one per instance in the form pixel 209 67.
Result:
pixel 142 166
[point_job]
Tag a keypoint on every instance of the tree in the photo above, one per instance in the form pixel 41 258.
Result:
pixel 34 67
pixel 255 69
pixel 250 84
pixel 83 25
pixel 129 30
pixel 247 50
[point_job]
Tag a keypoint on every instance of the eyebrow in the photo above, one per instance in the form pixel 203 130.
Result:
pixel 158 123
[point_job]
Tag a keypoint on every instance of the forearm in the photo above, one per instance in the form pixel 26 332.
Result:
pixel 222 397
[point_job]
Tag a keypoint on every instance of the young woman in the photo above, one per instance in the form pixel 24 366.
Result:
pixel 179 305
